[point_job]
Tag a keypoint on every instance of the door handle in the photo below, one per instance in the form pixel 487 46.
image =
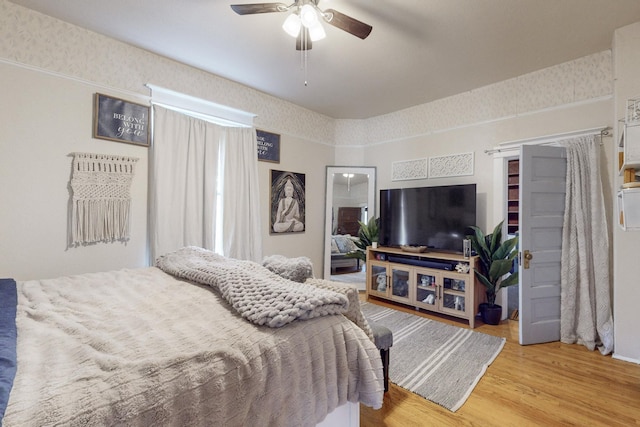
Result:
pixel 528 256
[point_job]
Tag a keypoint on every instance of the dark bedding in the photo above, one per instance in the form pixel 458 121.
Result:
pixel 8 301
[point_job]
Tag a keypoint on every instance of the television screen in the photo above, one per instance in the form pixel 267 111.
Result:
pixel 436 217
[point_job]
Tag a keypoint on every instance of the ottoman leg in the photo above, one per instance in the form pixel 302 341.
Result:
pixel 384 354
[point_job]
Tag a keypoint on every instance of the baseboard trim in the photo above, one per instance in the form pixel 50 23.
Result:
pixel 626 359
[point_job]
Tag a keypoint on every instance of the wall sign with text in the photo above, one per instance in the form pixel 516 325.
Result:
pixel 268 146
pixel 119 120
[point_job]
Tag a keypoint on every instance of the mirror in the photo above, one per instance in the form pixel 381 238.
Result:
pixel 350 196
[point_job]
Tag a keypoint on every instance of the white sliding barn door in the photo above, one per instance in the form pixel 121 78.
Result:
pixel 542 201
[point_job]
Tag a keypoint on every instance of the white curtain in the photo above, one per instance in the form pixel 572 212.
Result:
pixel 188 158
pixel 585 280
pixel 241 235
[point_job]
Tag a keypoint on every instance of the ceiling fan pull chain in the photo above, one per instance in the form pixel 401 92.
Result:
pixel 303 55
pixel 306 59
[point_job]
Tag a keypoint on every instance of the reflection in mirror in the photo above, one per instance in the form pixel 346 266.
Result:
pixel 349 204
pixel 350 197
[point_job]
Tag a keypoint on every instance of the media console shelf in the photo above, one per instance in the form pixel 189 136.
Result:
pixel 426 281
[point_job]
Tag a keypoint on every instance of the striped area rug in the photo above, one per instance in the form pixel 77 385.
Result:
pixel 439 362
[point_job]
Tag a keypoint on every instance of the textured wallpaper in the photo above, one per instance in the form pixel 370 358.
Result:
pixel 36 40
pixel 584 79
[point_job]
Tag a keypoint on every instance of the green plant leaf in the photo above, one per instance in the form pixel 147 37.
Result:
pixel 496 259
pixel 511 280
pixel 505 250
pixel 478 243
pixel 367 234
pixel 484 280
pixel 499 268
pixel 496 237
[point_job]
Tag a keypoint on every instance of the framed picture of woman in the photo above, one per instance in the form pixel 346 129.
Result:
pixel 287 202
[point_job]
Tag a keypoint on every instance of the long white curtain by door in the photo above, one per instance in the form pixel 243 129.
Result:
pixel 585 302
pixel 192 160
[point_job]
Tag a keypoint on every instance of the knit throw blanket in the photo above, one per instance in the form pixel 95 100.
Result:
pixel 257 294
pixel 101 198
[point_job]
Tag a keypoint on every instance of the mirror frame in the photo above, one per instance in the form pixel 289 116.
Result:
pixel 328 203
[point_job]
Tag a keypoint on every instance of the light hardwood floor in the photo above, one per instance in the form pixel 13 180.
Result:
pixel 550 384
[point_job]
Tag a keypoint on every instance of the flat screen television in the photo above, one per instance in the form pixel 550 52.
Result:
pixel 437 217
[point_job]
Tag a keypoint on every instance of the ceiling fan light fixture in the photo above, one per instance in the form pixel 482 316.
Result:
pixel 292 25
pixel 308 16
pixel 317 32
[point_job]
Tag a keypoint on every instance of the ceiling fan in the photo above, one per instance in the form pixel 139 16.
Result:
pixel 304 21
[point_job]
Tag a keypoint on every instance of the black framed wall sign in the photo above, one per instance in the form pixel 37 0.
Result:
pixel 268 146
pixel 118 120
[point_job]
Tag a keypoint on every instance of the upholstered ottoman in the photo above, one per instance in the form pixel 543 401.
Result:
pixel 383 338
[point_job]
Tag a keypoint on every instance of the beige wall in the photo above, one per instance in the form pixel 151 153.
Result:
pixel 626 296
pixel 298 155
pixel 43 119
pixel 46 117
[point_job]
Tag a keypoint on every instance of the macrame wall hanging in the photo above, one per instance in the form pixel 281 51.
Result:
pixel 101 186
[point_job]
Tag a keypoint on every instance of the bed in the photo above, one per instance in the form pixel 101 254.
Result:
pixel 178 344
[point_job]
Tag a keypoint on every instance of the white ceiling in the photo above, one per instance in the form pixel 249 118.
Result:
pixel 418 51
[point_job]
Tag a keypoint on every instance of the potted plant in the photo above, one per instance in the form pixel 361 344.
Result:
pixel 496 260
pixel 367 234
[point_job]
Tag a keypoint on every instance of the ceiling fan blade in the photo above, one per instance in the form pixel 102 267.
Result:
pixel 347 23
pixel 249 9
pixel 303 42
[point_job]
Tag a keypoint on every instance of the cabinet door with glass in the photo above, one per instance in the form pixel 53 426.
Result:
pixel 427 288
pixel 377 281
pixel 400 281
pixel 453 293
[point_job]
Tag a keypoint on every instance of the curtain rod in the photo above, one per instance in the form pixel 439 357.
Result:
pixel 549 139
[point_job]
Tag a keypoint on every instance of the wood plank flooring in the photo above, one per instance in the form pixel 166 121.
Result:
pixel 550 384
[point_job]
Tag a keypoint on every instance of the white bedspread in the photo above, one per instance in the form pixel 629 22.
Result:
pixel 139 347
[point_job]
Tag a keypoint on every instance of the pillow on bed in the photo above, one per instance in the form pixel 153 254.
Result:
pixel 296 269
pixel 345 243
pixel 334 246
